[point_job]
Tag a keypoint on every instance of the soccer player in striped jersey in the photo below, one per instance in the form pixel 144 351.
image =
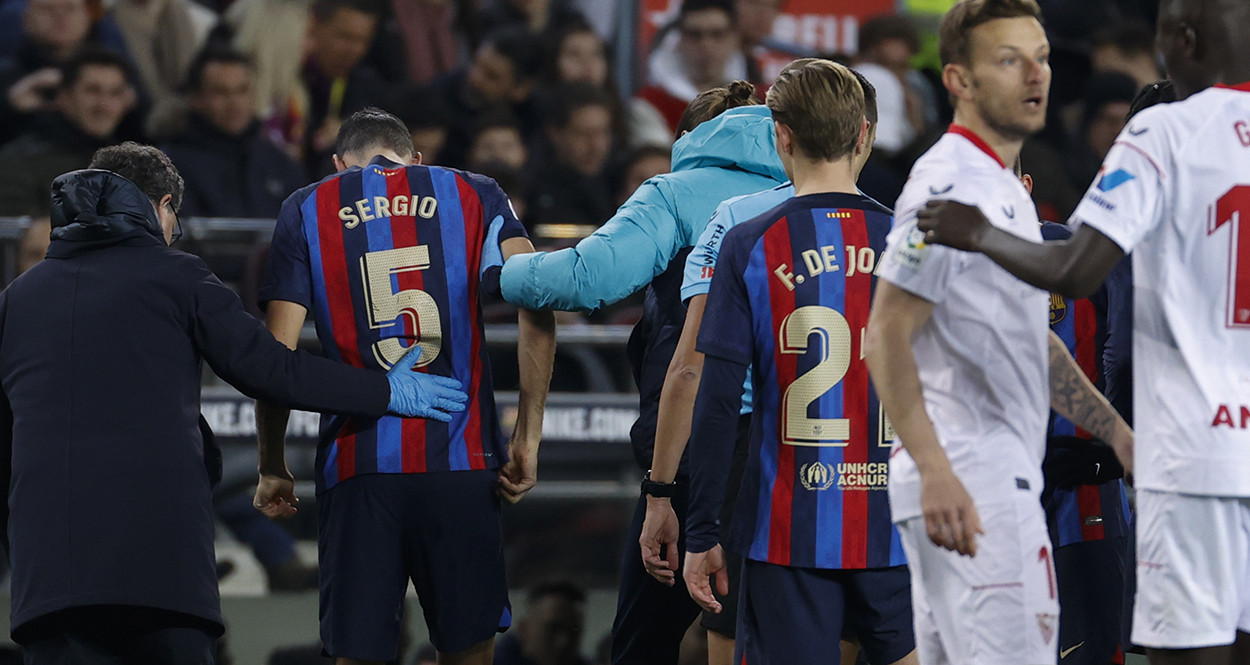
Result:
pixel 1087 509
pixel 790 298
pixel 661 529
pixel 389 254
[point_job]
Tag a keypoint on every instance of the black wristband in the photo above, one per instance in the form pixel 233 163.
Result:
pixel 657 489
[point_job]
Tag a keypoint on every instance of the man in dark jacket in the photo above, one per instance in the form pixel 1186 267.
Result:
pixel 230 168
pixel 111 526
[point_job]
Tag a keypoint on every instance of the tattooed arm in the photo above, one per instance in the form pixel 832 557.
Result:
pixel 1075 398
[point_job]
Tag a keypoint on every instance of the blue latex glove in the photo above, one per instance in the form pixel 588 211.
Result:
pixel 420 395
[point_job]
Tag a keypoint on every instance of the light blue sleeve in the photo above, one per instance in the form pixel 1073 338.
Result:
pixel 701 263
pixel 622 256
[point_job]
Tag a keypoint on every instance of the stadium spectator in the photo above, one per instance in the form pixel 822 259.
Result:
pixel 1105 108
pixel 1127 47
pixel 109 500
pixel 504 71
pixel 427 117
pixel 497 139
pixel 908 107
pixel 550 631
pixel 231 170
pixel 432 42
pixel 51 32
pixel 339 35
pixel 273 34
pixel 162 38
pixel 640 166
pixel 34 244
pixel 95 92
pixel 538 16
pixel 569 184
pixel 701 52
pixel 761 49
pixel 577 53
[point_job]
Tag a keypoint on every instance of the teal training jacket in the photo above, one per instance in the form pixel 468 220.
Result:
pixel 730 155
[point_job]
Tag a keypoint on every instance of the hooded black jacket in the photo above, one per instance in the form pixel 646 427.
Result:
pixel 100 350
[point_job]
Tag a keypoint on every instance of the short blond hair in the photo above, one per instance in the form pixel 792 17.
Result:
pixel 955 33
pixel 822 103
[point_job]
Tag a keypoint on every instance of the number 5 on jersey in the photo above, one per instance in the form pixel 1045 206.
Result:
pixel 386 303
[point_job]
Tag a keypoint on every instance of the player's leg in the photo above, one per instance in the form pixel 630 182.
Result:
pixel 1193 577
pixel 651 618
pixel 363 579
pixel 454 554
pixel 721 627
pixel 1091 600
pixel 879 614
pixel 789 615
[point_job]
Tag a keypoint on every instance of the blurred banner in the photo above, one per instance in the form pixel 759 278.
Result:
pixel 808 27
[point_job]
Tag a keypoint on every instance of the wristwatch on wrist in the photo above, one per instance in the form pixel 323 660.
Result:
pixel 657 489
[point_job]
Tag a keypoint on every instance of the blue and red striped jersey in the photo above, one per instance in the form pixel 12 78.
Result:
pixel 1082 512
pixel 791 294
pixel 388 256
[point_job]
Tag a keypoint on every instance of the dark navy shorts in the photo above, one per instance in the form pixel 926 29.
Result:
pixel 440 530
pixel 795 616
pixel 1092 606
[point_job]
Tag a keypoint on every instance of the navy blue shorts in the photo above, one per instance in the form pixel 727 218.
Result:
pixel 1092 604
pixel 440 530
pixel 795 616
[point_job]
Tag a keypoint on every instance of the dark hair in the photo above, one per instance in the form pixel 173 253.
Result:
pixel 145 166
pixel 870 97
pixel 213 54
pixel 714 102
pixel 691 6
pixel 566 590
pixel 567 98
pixel 419 107
pixel 324 10
pixel 520 47
pixel 885 27
pixel 1106 88
pixel 1130 37
pixel 493 117
pixel 955 33
pixel 554 41
pixel 373 128
pixel 72 70
pixel 1159 92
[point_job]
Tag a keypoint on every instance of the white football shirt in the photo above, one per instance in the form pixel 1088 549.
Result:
pixel 982 356
pixel 1172 191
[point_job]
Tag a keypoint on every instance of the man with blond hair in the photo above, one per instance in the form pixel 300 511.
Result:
pixel 790 297
pixel 960 353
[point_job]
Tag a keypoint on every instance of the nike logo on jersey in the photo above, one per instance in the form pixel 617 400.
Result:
pixel 938 192
pixel 1137 131
pixel 1063 653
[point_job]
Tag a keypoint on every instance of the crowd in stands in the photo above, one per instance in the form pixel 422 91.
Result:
pixel 246 95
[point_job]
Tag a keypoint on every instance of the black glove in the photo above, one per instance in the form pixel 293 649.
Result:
pixel 1074 461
